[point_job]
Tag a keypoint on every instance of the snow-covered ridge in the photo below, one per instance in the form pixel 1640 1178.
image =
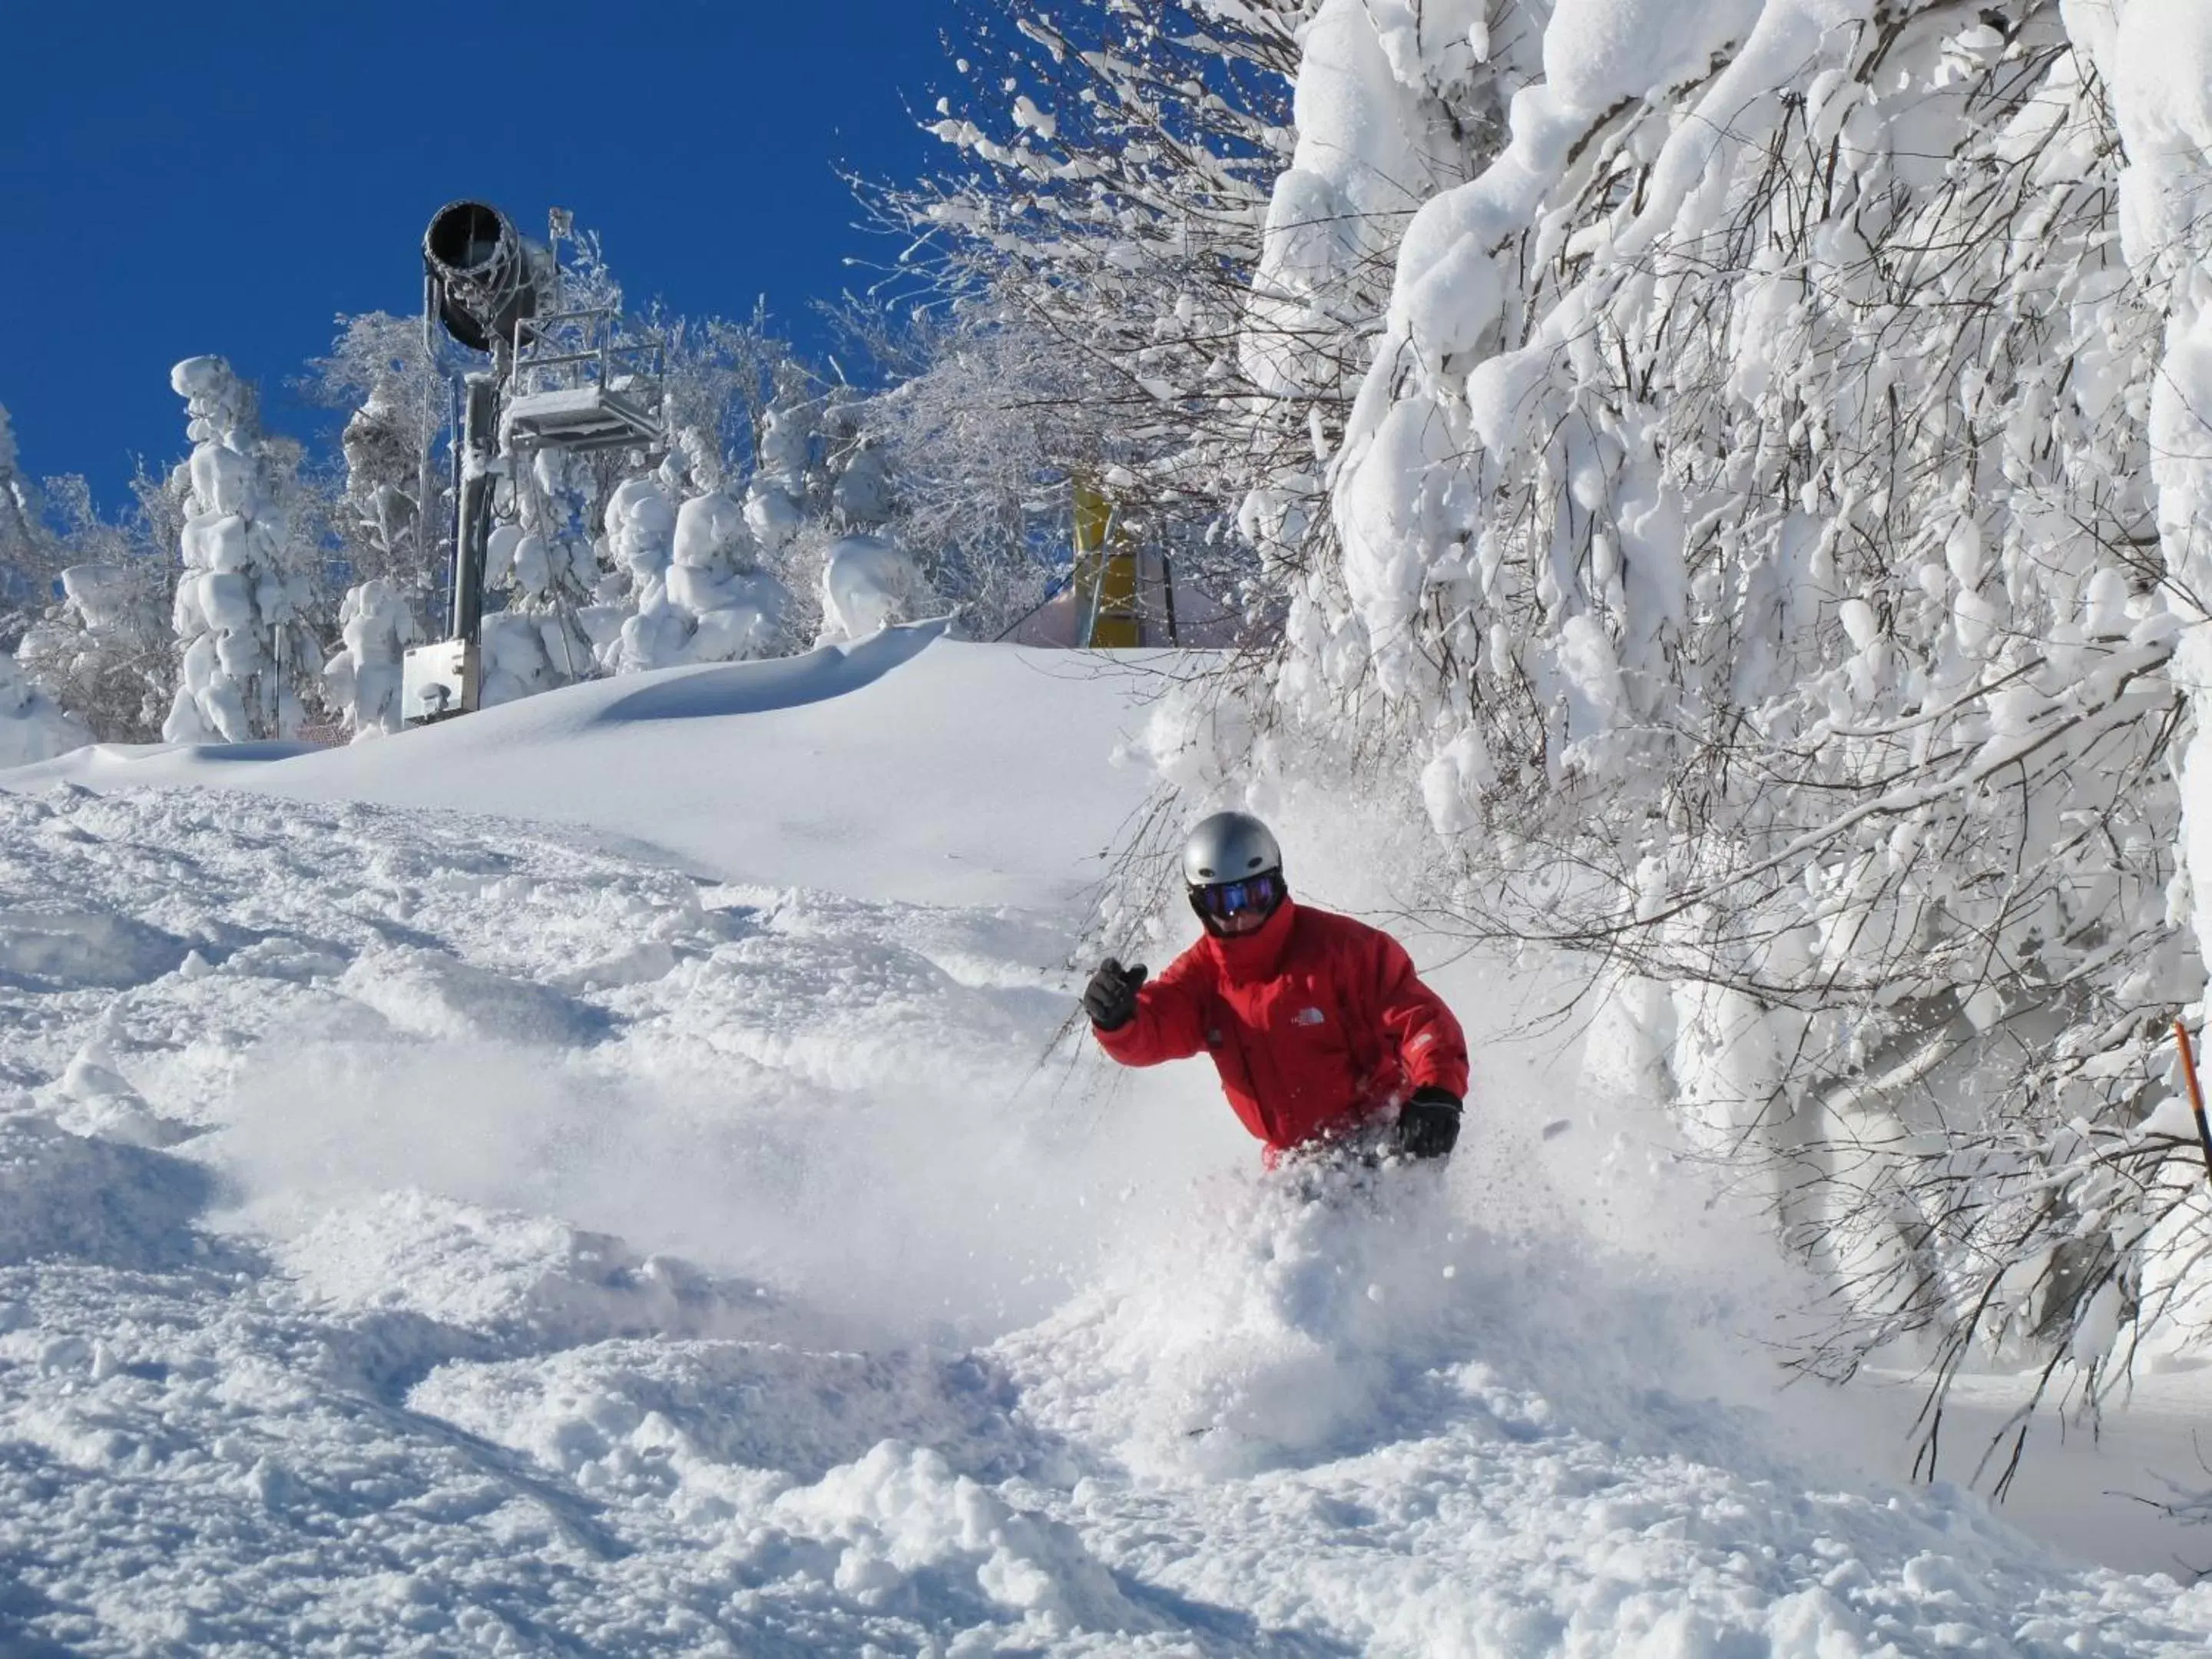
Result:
pixel 773 771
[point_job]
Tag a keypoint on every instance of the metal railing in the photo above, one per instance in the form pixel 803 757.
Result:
pixel 578 381
pixel 609 352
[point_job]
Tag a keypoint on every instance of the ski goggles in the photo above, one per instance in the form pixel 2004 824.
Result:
pixel 1224 899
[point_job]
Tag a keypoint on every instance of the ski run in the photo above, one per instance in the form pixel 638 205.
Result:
pixel 667 1216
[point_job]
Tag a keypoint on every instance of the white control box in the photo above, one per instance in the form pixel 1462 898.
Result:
pixel 439 680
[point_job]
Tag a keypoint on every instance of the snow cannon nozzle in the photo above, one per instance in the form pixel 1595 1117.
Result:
pixel 484 276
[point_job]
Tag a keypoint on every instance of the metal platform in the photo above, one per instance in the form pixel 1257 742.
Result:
pixel 584 418
pixel 579 382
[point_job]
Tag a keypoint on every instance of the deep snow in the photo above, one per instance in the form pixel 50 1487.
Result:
pixel 659 1219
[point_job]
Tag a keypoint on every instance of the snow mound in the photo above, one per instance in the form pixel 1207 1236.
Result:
pixel 430 994
pixel 45 946
pixel 773 773
pixel 700 1424
pixel 833 670
pixel 525 1279
pixel 66 1195
pixel 901 1523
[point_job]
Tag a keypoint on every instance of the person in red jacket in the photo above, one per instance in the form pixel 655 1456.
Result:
pixel 1318 1024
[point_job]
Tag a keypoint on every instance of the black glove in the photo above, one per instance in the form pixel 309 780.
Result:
pixel 1110 998
pixel 1428 1124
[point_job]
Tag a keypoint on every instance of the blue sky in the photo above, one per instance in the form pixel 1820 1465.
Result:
pixel 228 177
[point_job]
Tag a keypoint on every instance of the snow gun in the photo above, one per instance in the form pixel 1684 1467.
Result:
pixel 558 380
pixel 481 276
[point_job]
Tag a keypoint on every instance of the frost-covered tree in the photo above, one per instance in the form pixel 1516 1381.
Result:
pixel 361 680
pixel 105 651
pixel 735 606
pixel 26 544
pixel 641 534
pixel 1745 552
pixel 394 522
pixel 1175 236
pixel 245 651
pixel 722 377
pixel 547 567
pixel 970 435
pixel 1106 224
pixel 780 494
pixel 32 726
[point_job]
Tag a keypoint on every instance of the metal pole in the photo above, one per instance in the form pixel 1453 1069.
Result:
pixel 472 521
pixel 453 490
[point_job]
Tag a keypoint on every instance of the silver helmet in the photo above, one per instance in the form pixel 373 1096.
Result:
pixel 1229 846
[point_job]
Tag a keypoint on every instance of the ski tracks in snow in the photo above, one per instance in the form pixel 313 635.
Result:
pixel 427 1234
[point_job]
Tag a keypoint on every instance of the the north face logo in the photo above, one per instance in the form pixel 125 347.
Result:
pixel 1309 1016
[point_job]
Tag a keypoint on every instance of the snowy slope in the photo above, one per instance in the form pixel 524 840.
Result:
pixel 770 770
pixel 428 1232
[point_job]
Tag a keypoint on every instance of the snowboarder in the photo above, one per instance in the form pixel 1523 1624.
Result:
pixel 1322 1030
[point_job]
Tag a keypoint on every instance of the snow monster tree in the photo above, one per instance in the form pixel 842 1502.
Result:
pixel 245 650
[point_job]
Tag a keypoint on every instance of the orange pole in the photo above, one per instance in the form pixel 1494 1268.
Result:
pixel 2195 1093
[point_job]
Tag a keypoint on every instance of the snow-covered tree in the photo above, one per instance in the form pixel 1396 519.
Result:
pixel 779 495
pixel 376 625
pixel 862 495
pixel 735 606
pixel 866 583
pixel 2149 55
pixel 32 726
pixel 105 651
pixel 825 476
pixel 393 518
pixel 1200 310
pixel 245 651
pixel 699 590
pixel 547 567
pixel 394 523
pixel 1745 553
pixel 641 534
pixel 26 545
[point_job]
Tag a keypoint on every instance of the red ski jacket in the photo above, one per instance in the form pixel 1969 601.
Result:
pixel 1316 1022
